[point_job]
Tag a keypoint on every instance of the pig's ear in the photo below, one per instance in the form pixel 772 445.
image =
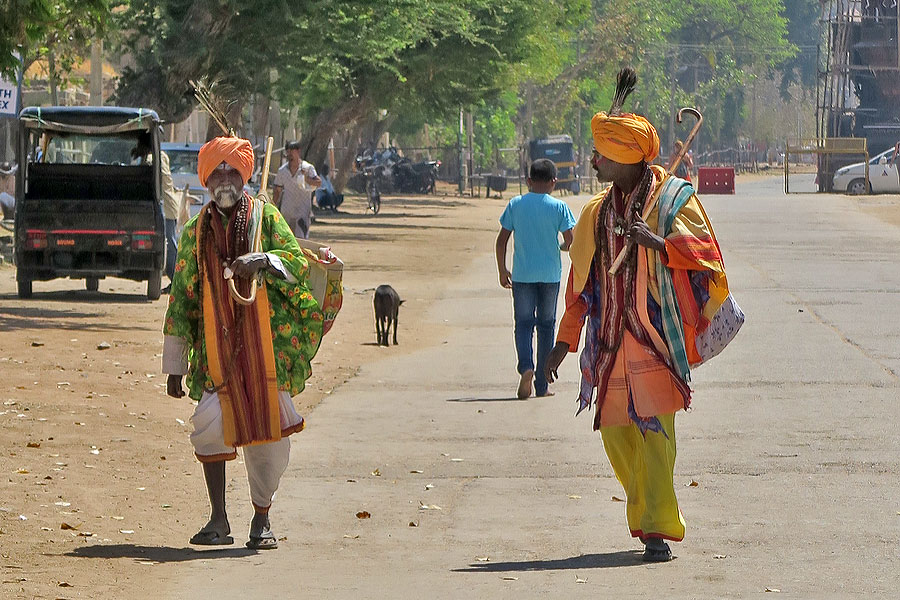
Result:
pixel 402 301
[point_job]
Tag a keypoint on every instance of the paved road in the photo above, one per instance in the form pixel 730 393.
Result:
pixel 792 440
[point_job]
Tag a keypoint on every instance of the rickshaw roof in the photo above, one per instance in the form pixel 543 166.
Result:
pixel 88 119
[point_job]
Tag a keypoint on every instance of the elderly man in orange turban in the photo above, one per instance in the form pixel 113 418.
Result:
pixel 243 361
pixel 644 319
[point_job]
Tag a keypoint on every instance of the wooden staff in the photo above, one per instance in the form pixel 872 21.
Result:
pixel 256 243
pixel 670 170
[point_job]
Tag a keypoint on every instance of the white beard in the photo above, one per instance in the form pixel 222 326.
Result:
pixel 225 196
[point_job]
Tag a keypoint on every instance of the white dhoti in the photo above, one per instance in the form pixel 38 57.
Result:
pixel 265 463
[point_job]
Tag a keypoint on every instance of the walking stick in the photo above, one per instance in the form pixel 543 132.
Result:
pixel 670 170
pixel 255 244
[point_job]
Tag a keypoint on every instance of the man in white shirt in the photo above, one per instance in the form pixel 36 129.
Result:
pixel 293 187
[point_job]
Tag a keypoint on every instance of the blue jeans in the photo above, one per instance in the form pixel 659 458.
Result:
pixel 171 248
pixel 534 306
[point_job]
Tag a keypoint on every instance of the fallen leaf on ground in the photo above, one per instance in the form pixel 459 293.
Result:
pixel 413 523
pixel 46 529
pixel 376 473
pixel 482 558
pixel 351 537
pixel 65 525
pixel 423 506
pixel 36 344
pixel 65 584
pixel 772 590
pixel 693 483
pixel 418 471
pixel 719 556
pixel 103 346
pixel 509 578
pixel 63 504
pixel 580 580
pixel 574 497
pixel 85 534
pixel 429 486
pixel 33 445
pixel 456 459
pixel 617 499
pixel 126 531
pixel 22 471
pixel 363 514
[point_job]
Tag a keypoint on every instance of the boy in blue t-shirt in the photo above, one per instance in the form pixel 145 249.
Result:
pixel 537 219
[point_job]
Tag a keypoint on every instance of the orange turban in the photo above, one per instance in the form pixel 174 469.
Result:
pixel 235 151
pixel 626 139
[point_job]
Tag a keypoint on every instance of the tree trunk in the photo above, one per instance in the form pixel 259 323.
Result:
pixel 349 114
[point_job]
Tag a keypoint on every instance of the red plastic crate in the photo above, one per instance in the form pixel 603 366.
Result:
pixel 715 180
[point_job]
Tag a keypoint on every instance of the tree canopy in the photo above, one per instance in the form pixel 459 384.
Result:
pixel 524 67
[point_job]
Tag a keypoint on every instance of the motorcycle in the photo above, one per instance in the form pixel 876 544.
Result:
pixel 393 172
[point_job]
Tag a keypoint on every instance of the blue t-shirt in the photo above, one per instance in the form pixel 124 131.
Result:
pixel 536 221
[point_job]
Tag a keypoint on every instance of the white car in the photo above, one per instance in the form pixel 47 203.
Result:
pixel 183 163
pixel 883 176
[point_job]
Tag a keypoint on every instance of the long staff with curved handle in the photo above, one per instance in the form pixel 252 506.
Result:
pixel 254 246
pixel 670 169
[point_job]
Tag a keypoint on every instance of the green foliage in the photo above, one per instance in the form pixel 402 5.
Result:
pixel 32 28
pixel 403 63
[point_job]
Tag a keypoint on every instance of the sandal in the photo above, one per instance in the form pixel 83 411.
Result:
pixel 266 541
pixel 211 538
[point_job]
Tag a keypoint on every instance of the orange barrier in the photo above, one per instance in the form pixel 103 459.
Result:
pixel 715 180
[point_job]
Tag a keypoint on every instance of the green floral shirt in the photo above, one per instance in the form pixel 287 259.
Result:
pixel 295 315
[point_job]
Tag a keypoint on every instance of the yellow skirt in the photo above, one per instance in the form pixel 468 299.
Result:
pixel 644 465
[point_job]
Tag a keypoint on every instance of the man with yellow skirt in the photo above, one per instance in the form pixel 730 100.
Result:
pixel 643 320
pixel 243 359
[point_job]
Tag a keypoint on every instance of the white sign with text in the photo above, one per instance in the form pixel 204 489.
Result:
pixel 9 95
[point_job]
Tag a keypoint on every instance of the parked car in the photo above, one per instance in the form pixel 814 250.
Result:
pixel 88 193
pixel 883 176
pixel 183 164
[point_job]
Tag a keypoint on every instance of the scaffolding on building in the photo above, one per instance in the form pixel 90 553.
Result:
pixel 858 90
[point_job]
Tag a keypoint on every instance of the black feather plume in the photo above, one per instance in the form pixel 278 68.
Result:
pixel 625 82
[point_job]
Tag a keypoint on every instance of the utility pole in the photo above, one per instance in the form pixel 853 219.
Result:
pixel 459 154
pixel 96 98
pixel 470 162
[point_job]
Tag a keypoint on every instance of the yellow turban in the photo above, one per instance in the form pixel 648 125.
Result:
pixel 234 151
pixel 626 139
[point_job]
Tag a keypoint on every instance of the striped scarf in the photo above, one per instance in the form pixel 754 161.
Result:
pixel 238 338
pixel 674 196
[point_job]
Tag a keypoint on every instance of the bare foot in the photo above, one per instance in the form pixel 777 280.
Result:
pixel 524 390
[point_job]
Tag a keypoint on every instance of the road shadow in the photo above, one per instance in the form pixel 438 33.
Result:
pixel 621 558
pixel 160 554
pixel 82 296
pixel 509 399
pixel 21 318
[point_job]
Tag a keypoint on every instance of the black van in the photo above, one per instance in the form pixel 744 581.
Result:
pixel 88 196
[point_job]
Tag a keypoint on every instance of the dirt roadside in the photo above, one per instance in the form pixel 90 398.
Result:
pixel 96 455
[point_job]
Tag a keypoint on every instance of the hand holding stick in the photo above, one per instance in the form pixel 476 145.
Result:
pixel 670 169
